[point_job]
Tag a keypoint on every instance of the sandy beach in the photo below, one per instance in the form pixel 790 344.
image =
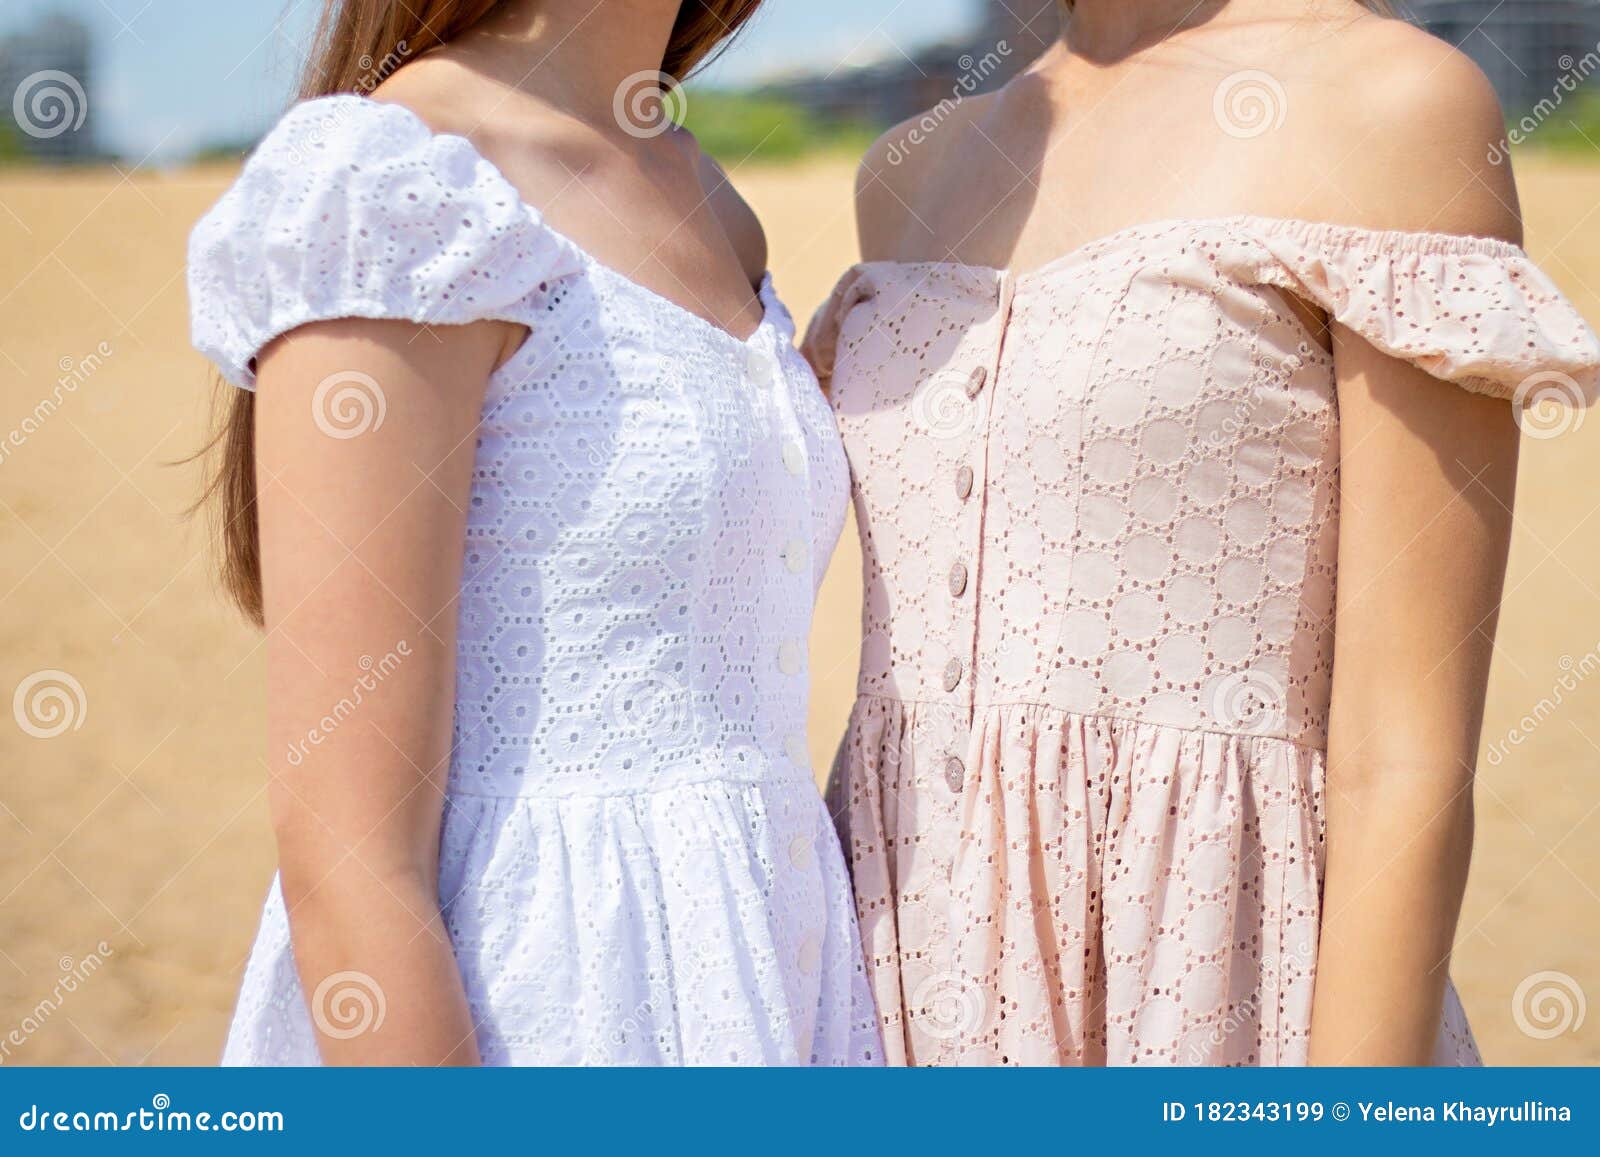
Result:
pixel 134 841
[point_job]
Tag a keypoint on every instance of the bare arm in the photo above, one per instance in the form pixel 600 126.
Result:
pixel 1427 476
pixel 362 541
pixel 1427 479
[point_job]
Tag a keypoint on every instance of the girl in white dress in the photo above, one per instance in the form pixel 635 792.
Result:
pixel 532 494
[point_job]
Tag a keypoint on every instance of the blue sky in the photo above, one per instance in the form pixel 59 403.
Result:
pixel 172 75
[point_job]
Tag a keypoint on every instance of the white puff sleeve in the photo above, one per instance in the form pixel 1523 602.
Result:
pixel 355 208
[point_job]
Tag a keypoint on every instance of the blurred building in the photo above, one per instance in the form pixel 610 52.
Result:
pixel 1028 26
pixel 1006 37
pixel 45 81
pixel 1528 48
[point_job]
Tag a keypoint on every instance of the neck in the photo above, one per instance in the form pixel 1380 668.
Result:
pixel 576 53
pixel 1107 29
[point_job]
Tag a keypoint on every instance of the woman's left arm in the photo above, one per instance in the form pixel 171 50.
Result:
pixel 1427 474
pixel 1427 477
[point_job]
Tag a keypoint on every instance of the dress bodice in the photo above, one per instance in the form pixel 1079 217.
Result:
pixel 1110 485
pixel 654 500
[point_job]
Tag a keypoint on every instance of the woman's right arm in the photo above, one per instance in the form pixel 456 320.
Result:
pixel 365 433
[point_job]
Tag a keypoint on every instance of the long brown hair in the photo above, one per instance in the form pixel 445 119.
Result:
pixel 356 45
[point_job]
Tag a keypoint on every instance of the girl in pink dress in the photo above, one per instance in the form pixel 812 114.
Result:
pixel 1212 306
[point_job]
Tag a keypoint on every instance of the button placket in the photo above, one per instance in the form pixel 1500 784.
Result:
pixel 959 675
pixel 764 370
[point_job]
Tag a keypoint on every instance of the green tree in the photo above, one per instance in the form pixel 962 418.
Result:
pixel 735 127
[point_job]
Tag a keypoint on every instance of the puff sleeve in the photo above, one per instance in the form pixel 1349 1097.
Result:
pixel 355 208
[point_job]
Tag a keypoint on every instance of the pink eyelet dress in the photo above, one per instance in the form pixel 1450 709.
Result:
pixel 1082 788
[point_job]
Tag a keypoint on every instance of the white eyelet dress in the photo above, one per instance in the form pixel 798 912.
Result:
pixel 636 866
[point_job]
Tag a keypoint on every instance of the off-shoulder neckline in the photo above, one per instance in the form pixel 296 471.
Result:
pixel 766 296
pixel 1376 240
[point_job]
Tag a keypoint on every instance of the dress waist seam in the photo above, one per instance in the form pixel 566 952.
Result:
pixel 787 781
pixel 980 708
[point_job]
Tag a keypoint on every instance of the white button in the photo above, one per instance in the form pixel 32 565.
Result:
pixel 791 656
pixel 794 555
pixel 955 772
pixel 794 458
pixel 810 956
pixel 795 745
pixel 758 365
pixel 800 852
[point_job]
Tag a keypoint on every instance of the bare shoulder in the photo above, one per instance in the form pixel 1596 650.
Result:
pixel 738 220
pixel 899 163
pixel 541 150
pixel 447 96
pixel 1411 131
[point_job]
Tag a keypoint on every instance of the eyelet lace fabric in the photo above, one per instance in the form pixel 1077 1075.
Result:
pixel 1082 786
pixel 635 865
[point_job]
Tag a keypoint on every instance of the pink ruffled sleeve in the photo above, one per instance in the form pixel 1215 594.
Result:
pixel 1471 310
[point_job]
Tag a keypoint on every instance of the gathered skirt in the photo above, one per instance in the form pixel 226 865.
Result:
pixel 706 923
pixel 1080 890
